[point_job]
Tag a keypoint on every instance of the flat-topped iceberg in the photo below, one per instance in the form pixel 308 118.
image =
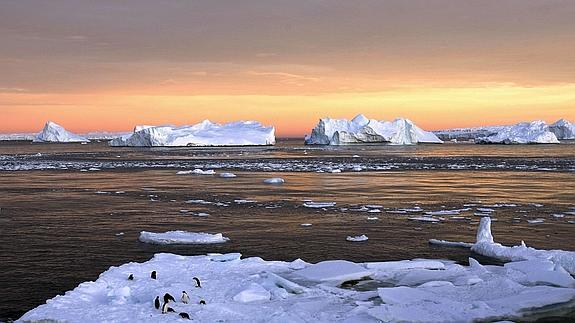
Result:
pixel 205 133
pixel 536 132
pixel 53 132
pixel 361 130
pixel 255 290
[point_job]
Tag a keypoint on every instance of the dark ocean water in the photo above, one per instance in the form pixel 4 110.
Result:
pixel 60 227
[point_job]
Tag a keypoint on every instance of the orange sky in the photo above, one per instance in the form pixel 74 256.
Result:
pixel 111 65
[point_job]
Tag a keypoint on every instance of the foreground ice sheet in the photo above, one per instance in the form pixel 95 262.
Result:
pixel 181 237
pixel 254 290
pixel 205 133
pixel 53 132
pixel 363 130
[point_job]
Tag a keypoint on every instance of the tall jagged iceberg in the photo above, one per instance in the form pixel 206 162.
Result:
pixel 205 133
pixel 363 130
pixel 563 129
pixel 535 132
pixel 53 132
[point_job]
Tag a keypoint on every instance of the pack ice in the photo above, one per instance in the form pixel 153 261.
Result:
pixel 205 133
pixel 363 130
pixel 53 132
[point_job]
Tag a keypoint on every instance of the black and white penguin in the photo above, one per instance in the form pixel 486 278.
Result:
pixel 167 309
pixel 185 316
pixel 131 277
pixel 202 302
pixel 198 284
pixel 153 275
pixel 185 297
pixel 168 298
pixel 157 302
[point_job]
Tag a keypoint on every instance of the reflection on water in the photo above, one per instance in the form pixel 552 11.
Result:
pixel 60 228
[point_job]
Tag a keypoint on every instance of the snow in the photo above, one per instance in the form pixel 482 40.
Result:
pixel 274 180
pixel 486 246
pixel 363 130
pixel 53 132
pixel 205 133
pixel 255 290
pixel 181 237
pixel 197 171
pixel 360 238
pixel 318 205
pixel 563 129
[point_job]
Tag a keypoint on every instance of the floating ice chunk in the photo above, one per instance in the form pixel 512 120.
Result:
pixel 306 224
pixel 253 293
pixel 536 221
pixel 274 180
pixel 424 219
pixel 357 168
pixel 485 246
pixel 197 171
pixel 444 212
pixel 53 132
pixel 224 257
pixel 181 237
pixel 372 218
pixel 485 210
pixel 318 205
pixel 206 133
pixel 450 243
pixel 284 283
pixel 334 271
pixel 242 201
pixel 406 265
pixel 536 132
pixel 540 271
pixel 360 238
pixel 228 175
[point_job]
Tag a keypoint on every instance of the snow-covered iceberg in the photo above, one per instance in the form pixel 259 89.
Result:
pixel 361 130
pixel 255 290
pixel 205 133
pixel 53 132
pixel 563 129
pixel 536 132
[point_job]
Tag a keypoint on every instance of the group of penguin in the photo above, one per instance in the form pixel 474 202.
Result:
pixel 169 298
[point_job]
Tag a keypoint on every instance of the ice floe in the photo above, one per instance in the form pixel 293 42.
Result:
pixel 205 133
pixel 318 205
pixel 252 289
pixel 197 171
pixel 360 238
pixel 181 237
pixel 274 180
pixel 228 175
pixel 450 243
pixel 363 130
pixel 53 132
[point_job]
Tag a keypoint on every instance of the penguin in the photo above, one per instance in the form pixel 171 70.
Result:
pixel 185 316
pixel 153 275
pixel 202 302
pixel 168 298
pixel 198 284
pixel 167 309
pixel 131 277
pixel 157 302
pixel 185 297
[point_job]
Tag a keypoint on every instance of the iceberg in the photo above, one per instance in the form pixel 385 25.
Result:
pixel 205 133
pixel 536 132
pixel 181 237
pixel 361 130
pixel 563 129
pixel 53 132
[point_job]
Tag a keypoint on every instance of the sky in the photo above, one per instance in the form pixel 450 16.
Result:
pixel 112 64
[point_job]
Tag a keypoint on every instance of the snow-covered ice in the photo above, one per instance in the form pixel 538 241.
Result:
pixel 181 237
pixel 252 289
pixel 205 133
pixel 363 130
pixel 53 132
pixel 360 238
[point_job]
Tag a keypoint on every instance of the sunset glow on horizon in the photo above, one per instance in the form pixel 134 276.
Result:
pixel 442 64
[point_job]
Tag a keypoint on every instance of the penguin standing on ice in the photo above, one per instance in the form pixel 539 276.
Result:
pixel 153 275
pixel 185 297
pixel 157 302
pixel 167 309
pixel 168 298
pixel 131 277
pixel 185 316
pixel 198 284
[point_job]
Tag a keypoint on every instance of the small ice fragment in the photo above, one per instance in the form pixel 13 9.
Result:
pixel 228 175
pixel 536 221
pixel 306 224
pixel 360 238
pixel 274 180
pixel 197 171
pixel 372 218
pixel 424 219
pixel 181 237
pixel 319 205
